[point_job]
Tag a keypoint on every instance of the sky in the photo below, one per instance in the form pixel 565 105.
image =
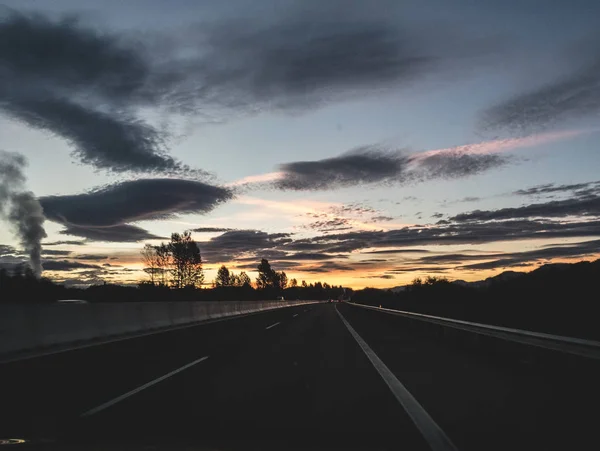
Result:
pixel 358 143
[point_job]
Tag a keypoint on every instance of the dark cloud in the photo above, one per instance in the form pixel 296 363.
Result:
pixel 360 166
pixel 587 206
pixel 456 164
pixel 371 165
pixel 529 257
pixel 125 233
pixel 82 85
pixel 312 256
pixel 329 266
pixel 455 233
pixel 6 249
pixel 437 215
pixel 133 200
pixel 99 139
pixel 579 189
pixel 91 257
pixel 48 252
pixel 236 243
pixel 65 243
pixel 328 225
pixel 65 265
pixel 381 218
pixel 89 86
pixel 573 97
pixel 398 251
pixel 210 229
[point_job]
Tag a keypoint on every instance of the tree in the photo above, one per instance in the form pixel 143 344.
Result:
pixel 234 280
pixel 224 277
pixel 293 283
pixel 266 276
pixel 304 284
pixel 186 261
pixel 150 259
pixel 163 262
pixel 282 280
pixel 244 279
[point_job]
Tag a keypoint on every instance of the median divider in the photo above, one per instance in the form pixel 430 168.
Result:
pixel 33 329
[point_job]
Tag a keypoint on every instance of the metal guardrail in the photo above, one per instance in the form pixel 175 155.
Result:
pixel 576 346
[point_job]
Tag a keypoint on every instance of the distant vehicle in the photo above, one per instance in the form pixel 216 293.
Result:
pixel 280 298
pixel 72 301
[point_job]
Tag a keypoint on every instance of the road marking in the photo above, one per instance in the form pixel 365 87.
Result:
pixel 273 325
pixel 433 434
pixel 114 401
pixel 295 314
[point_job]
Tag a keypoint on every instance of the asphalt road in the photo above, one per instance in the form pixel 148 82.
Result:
pixel 297 378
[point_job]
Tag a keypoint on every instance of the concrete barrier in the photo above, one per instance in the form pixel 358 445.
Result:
pixel 27 327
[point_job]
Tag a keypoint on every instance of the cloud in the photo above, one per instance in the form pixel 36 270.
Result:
pixel 359 166
pixel 65 265
pixel 125 233
pixel 133 200
pixel 382 218
pixel 238 243
pixel 6 249
pixel 48 252
pixel 587 206
pixel 328 267
pixel 580 189
pixel 65 243
pixel 92 257
pixel 573 97
pixel 89 86
pixel 211 229
pixel 456 164
pixel 505 260
pixel 82 85
pixel 371 165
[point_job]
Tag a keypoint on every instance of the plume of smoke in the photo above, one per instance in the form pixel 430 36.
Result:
pixel 21 207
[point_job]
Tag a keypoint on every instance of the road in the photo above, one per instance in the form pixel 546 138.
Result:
pixel 297 378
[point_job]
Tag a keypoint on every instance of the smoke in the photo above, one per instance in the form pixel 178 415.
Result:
pixel 21 207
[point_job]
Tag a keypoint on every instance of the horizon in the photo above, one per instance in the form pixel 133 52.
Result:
pixel 358 146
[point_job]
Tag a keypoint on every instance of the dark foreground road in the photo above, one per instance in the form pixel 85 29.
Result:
pixel 297 378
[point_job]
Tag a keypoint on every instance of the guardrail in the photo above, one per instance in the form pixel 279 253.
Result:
pixel 32 327
pixel 576 346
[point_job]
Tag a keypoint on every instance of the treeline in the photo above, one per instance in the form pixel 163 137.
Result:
pixel 178 265
pixel 560 299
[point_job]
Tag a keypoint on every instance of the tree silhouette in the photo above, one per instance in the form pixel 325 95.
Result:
pixel 186 260
pixel 282 280
pixel 244 280
pixel 293 283
pixel 150 260
pixel 224 277
pixel 267 278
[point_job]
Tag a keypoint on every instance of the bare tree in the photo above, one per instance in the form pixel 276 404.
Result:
pixel 163 262
pixel 150 259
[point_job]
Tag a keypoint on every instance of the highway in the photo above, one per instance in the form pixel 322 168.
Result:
pixel 322 376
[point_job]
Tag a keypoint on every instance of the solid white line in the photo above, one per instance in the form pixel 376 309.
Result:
pixel 273 325
pixel 112 402
pixel 433 434
pixel 294 315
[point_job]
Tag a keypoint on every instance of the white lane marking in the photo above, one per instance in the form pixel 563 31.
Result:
pixel 273 325
pixel 112 402
pixel 433 434
pixel 294 315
